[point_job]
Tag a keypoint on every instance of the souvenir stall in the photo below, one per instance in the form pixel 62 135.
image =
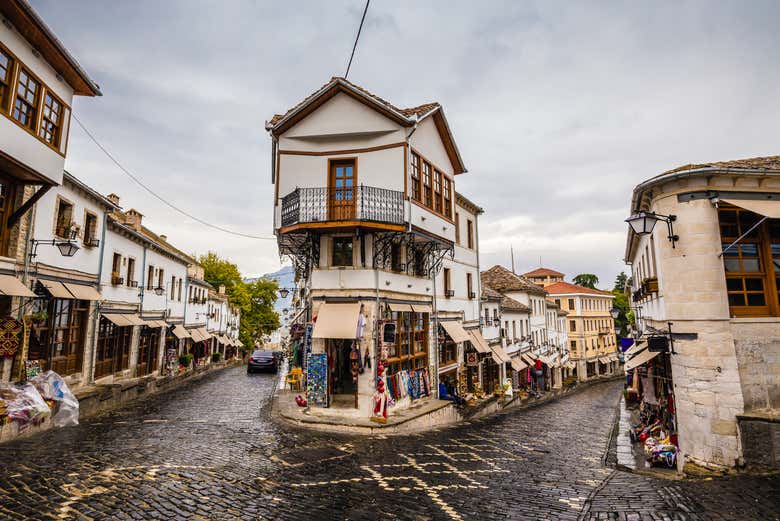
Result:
pixel 649 395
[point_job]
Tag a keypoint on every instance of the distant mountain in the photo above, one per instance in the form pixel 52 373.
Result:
pixel 285 277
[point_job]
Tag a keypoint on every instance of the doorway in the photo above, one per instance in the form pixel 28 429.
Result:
pixel 341 367
pixel 342 187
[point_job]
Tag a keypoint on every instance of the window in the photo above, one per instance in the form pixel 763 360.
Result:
pixel 437 191
pixel 90 229
pixel 571 304
pixel 572 325
pixel 558 302
pixel 178 295
pixel 25 109
pixel 150 278
pixel 64 219
pixel 427 189
pixel 59 339
pixel 470 233
pixel 173 285
pixel 447 198
pixel 6 73
pixel 411 348
pixel 573 345
pixel 113 348
pixel 342 251
pixel 469 289
pixel 395 257
pixel 131 282
pixel 447 282
pixel 116 265
pixel 448 353
pixel 487 317
pixel 416 189
pixel 457 228
pixel 52 120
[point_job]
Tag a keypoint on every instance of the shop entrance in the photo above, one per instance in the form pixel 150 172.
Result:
pixel 341 367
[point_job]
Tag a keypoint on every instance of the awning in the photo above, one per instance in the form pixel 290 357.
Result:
pixel 222 339
pixel 338 320
pixel 422 308
pixel 613 357
pixel 769 209
pixel 239 343
pixel 546 360
pixel 180 333
pixel 119 319
pixel 518 364
pixel 570 365
pixel 155 323
pixel 135 320
pixel 13 287
pixel 195 335
pixel 83 292
pixel 398 307
pixel 635 348
pixel 478 341
pixel 204 333
pixel 499 355
pixel 641 358
pixel 456 332
pixel 527 359
pixel 56 289
pixel 604 360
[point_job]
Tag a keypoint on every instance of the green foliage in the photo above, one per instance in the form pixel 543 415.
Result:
pixel 620 281
pixel 588 280
pixel 626 316
pixel 185 359
pixel 255 300
pixel 215 357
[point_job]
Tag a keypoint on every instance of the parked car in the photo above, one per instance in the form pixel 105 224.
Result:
pixel 262 361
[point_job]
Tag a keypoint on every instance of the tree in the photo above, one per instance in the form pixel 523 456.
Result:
pixel 255 300
pixel 620 281
pixel 626 316
pixel 588 280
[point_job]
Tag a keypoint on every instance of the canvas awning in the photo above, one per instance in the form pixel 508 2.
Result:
pixel 499 355
pixel 641 358
pixel 546 360
pixel 155 323
pixel 204 333
pixel 222 339
pixel 13 287
pixel 135 320
pixel 82 292
pixel 196 335
pixel 399 308
pixel 635 348
pixel 571 365
pixel 422 308
pixel 456 332
pixel 769 209
pixel 478 341
pixel 337 320
pixel 518 364
pixel 119 319
pixel 181 333
pixel 604 360
pixel 56 289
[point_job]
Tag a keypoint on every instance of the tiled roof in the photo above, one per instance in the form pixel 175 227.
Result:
pixel 502 280
pixel 567 288
pixel 543 272
pixel 511 304
pixel 490 293
pixel 753 163
pixel 407 112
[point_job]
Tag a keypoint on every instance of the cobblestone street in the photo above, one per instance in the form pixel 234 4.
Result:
pixel 210 451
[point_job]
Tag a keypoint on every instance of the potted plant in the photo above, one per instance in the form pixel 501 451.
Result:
pixel 39 317
pixel 185 360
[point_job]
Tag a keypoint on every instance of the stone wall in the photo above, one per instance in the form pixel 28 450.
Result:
pixel 757 345
pixel 761 441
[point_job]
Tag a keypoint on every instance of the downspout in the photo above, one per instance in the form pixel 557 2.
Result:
pixel 96 319
pixel 141 286
pixel 435 378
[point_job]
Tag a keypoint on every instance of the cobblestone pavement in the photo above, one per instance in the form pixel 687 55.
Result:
pixel 210 451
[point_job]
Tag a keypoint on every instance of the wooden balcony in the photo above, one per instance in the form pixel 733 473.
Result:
pixel 342 207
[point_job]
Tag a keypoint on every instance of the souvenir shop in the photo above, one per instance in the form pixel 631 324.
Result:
pixel 115 334
pixel 649 396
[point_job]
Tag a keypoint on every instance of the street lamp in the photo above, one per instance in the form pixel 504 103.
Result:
pixel 67 248
pixel 283 292
pixel 643 223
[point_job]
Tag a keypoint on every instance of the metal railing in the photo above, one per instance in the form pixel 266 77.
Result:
pixel 360 203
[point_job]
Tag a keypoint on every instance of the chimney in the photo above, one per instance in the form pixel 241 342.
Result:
pixel 113 198
pixel 221 289
pixel 164 238
pixel 133 219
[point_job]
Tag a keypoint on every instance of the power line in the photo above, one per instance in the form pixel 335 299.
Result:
pixel 356 39
pixel 158 197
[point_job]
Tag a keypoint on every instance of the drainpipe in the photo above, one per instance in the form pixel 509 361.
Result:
pixel 436 342
pixel 141 286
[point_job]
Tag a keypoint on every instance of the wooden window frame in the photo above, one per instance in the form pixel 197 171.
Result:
pixel 416 179
pixel 58 229
pixel 470 286
pixel 150 278
pixel 116 268
pixel 427 185
pixel 413 358
pixel 470 234
pixel 89 237
pixel 447 197
pixel 457 228
pixel 130 276
pixel 438 192
pixel 447 281
pixel 342 239
pixel 113 348
pixel 573 326
pixel 35 105
pixel 68 334
pixel 7 81
pixel 57 135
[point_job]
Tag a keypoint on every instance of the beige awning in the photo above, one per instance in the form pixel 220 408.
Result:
pixel 204 333
pixel 479 342
pixel 155 323
pixel 399 307
pixel 13 287
pixel 546 360
pixel 119 319
pixel 422 308
pixel 518 364
pixel 499 355
pixel 135 320
pixel 181 333
pixel 337 320
pixel 604 360
pixel 769 209
pixel 82 292
pixel 222 339
pixel 638 346
pixel 641 358
pixel 56 289
pixel 528 359
pixel 456 332
pixel 197 335
pixel 571 365
pixel 239 343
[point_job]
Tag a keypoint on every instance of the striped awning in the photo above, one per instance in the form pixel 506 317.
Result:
pixel 518 364
pixel 181 333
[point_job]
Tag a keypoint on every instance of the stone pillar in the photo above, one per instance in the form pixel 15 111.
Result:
pixel 133 358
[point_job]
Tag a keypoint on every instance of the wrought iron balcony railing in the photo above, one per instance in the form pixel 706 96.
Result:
pixel 359 203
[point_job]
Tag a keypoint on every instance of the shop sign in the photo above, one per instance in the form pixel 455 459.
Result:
pixel 472 359
pixel 658 344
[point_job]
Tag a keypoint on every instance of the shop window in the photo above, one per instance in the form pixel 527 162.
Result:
pixel 148 350
pixel 448 350
pixel 410 350
pixel 59 340
pixel 416 187
pixel 113 348
pixel 64 219
pixel 342 251
pixel 90 229
pixel 25 109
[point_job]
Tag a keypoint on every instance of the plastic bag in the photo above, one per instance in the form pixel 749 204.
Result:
pixel 53 387
pixel 24 404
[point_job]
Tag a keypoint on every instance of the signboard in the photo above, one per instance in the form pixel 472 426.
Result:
pixel 472 359
pixel 658 344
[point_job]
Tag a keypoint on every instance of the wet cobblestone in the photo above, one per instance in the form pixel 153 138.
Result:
pixel 210 451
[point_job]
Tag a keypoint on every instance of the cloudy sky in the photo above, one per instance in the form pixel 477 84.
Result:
pixel 559 108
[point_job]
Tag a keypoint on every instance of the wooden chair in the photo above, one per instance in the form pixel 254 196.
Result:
pixel 294 378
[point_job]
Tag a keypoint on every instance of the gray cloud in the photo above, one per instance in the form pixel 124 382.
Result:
pixel 559 108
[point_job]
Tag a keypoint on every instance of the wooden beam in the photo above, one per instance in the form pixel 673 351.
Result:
pixel 14 217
